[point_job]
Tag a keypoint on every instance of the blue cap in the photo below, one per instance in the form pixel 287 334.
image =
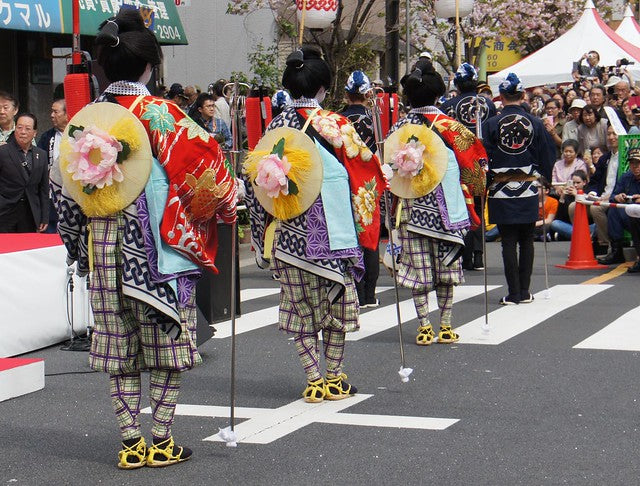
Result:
pixel 511 84
pixel 466 72
pixel 358 82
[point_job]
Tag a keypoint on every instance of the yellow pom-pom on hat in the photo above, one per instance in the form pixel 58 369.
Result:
pixel 285 170
pixel 418 158
pixel 105 158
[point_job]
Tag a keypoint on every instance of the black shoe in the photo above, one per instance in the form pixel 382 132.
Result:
pixel 467 264
pixel 526 298
pixel 635 268
pixel 509 300
pixel 478 263
pixel 599 249
pixel 614 256
pixel 371 305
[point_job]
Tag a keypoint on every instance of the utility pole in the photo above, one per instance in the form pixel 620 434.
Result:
pixel 392 40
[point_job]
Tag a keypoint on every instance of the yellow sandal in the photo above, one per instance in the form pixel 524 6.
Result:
pixel 425 335
pixel 337 388
pixel 314 393
pixel 446 335
pixel 128 454
pixel 169 453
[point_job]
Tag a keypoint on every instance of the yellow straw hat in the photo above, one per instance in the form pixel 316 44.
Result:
pixel 285 170
pixel 105 158
pixel 418 158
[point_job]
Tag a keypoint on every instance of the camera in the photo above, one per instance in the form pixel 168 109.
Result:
pixel 619 67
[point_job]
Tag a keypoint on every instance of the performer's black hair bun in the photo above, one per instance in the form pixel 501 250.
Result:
pixel 425 66
pixel 296 59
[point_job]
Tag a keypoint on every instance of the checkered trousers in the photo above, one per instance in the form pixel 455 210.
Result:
pixel 305 307
pixel 419 267
pixel 126 338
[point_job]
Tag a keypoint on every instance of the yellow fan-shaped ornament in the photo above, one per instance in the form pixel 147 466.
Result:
pixel 291 157
pixel 402 147
pixel 105 158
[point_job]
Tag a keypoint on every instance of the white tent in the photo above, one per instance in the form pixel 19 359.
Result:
pixel 629 29
pixel 553 63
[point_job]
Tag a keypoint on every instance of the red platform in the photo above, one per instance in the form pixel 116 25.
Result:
pixel 19 376
pixel 11 242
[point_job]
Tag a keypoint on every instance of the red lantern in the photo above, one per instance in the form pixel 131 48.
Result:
pixel 318 13
pixel 258 117
pixel 388 111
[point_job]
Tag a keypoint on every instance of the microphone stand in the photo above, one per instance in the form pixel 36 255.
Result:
pixel 75 343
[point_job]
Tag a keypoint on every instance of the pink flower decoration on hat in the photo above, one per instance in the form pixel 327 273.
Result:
pixel 272 175
pixel 94 158
pixel 408 160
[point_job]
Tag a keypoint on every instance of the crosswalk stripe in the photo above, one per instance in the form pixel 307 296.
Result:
pixel 248 322
pixel 511 320
pixel 250 294
pixel 257 319
pixel 383 318
pixel 504 323
pixel 610 337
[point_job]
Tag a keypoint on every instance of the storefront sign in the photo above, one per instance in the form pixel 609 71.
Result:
pixel 160 16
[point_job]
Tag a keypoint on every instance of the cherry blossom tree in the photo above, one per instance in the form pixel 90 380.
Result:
pixel 531 23
pixel 344 46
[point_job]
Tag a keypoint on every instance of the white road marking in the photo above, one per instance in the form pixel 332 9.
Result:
pixel 383 318
pixel 257 319
pixel 248 322
pixel 265 425
pixel 511 320
pixel 250 294
pixel 623 334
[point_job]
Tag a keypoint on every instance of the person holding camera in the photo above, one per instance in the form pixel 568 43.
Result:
pixel 554 121
pixel 587 67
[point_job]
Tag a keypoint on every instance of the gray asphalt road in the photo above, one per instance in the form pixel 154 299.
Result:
pixel 531 409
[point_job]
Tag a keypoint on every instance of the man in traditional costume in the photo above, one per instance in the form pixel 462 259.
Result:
pixel 466 108
pixel 520 151
pixel 357 90
pixel 143 186
pixel 438 166
pixel 316 248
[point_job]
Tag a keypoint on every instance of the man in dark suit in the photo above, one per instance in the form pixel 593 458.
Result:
pixel 50 142
pixel 24 180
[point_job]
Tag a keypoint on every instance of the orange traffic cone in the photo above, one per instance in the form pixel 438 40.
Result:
pixel 581 253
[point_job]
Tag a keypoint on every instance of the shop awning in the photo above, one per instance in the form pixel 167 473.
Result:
pixel 55 16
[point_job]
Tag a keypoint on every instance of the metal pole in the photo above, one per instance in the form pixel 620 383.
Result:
pixel 407 46
pixel 547 292
pixel 76 55
pixel 237 106
pixel 458 43
pixel 392 39
pixel 483 224
pixel 377 131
